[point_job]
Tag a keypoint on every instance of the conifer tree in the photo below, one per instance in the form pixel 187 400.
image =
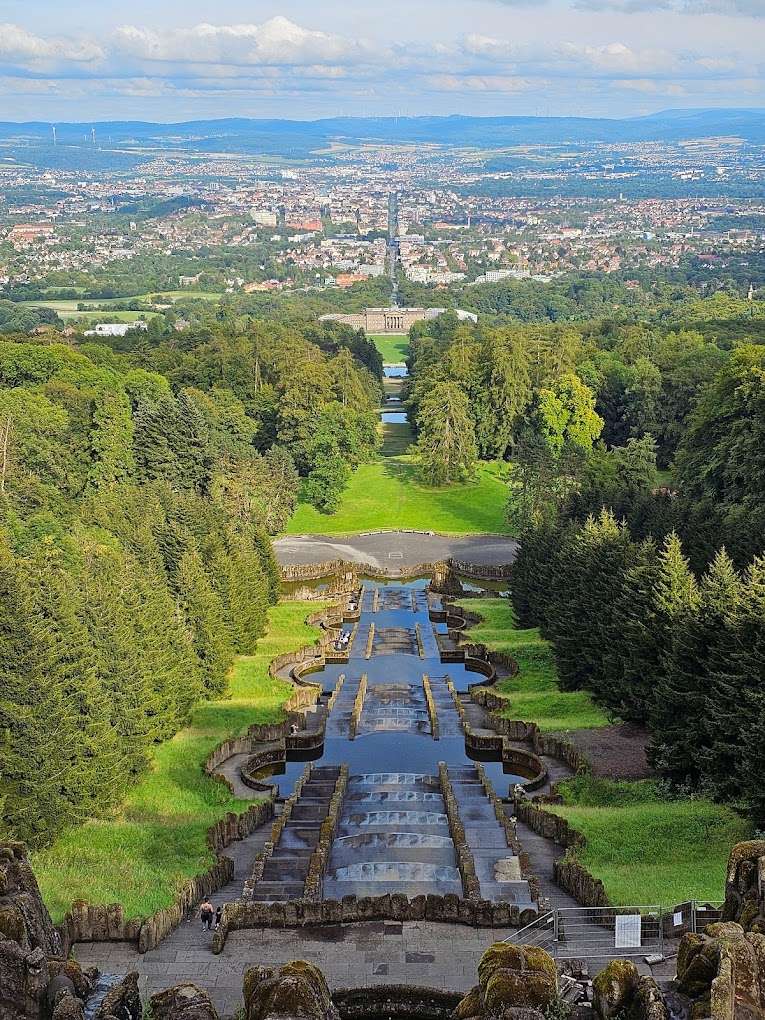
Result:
pixel 682 700
pixel 206 622
pixel 38 731
pixel 446 446
pixel 675 601
pixel 734 729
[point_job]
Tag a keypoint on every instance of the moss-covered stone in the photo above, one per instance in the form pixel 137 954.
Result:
pixel 297 989
pixel 507 988
pixel 470 1005
pixel 614 988
pixel 690 946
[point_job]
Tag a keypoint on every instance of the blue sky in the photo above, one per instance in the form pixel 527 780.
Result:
pixel 176 60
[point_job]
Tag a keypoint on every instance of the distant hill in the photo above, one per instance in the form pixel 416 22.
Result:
pixel 300 138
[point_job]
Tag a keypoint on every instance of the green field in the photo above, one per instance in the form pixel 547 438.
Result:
pixel 157 838
pixel 647 850
pixel 68 308
pixel 533 694
pixel 387 494
pixel 393 347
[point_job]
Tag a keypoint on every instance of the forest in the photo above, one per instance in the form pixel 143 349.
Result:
pixel 139 490
pixel 637 465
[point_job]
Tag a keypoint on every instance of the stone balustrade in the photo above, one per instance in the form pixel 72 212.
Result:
pixel 317 866
pixel 471 887
pixel 244 915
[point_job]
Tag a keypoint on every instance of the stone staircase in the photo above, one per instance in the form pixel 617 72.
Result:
pixel 500 882
pixel 339 721
pixel 285 871
pixel 449 722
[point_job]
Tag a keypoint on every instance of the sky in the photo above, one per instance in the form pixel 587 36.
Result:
pixel 302 59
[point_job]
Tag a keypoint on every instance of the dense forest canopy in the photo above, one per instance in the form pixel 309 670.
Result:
pixel 138 492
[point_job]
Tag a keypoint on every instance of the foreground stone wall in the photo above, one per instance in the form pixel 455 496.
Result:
pixel 246 915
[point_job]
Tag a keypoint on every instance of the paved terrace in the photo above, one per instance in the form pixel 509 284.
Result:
pixel 395 549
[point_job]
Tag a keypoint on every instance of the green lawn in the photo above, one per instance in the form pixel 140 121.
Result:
pixel 387 494
pixel 156 839
pixel 66 307
pixel 647 850
pixel 533 694
pixel 394 348
pixel 106 316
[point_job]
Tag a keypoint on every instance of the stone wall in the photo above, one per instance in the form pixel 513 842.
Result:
pixel 471 887
pixel 317 866
pixel 358 707
pixel 244 915
pixel 330 568
pixel 435 728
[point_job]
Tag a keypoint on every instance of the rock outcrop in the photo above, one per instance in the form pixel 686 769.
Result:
pixel 182 1002
pixel 35 980
pixel 510 977
pixel 619 990
pixel 122 1001
pixel 723 971
pixel 745 886
pixel 297 989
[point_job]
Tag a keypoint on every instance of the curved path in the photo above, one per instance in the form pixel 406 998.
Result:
pixel 395 549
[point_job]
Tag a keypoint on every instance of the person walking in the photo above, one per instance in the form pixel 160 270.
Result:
pixel 206 914
pixel 218 915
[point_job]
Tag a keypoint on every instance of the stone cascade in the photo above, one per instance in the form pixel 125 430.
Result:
pixel 497 866
pixel 394 706
pixel 339 721
pixel 449 721
pixel 393 837
pixel 283 872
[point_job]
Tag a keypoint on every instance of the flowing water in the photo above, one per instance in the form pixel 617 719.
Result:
pixel 393 833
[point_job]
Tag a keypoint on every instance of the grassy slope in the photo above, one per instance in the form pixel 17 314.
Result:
pixel 394 349
pixel 386 494
pixel 156 839
pixel 647 850
pixel 533 695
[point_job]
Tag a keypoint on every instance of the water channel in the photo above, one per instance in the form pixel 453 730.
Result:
pixel 394 833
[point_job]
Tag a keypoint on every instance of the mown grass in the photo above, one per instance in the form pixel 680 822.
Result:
pixel 533 694
pixel 156 840
pixel 394 349
pixel 649 850
pixel 386 493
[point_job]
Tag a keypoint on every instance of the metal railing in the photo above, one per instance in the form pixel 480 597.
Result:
pixel 591 932
pixel 596 932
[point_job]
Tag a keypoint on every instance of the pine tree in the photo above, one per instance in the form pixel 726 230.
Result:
pixel 37 723
pixel 446 445
pixel 507 384
pixel 97 776
pixel 250 596
pixel 206 622
pixel 676 601
pixel 735 705
pixel 680 713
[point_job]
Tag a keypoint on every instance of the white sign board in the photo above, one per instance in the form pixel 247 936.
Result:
pixel 627 932
pixel 677 918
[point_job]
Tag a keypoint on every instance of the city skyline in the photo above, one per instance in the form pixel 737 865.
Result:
pixel 533 57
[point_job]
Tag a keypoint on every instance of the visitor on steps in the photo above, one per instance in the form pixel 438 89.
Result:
pixel 218 915
pixel 206 914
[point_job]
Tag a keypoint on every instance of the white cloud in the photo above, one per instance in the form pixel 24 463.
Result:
pixel 19 45
pixel 279 42
pixel 479 83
